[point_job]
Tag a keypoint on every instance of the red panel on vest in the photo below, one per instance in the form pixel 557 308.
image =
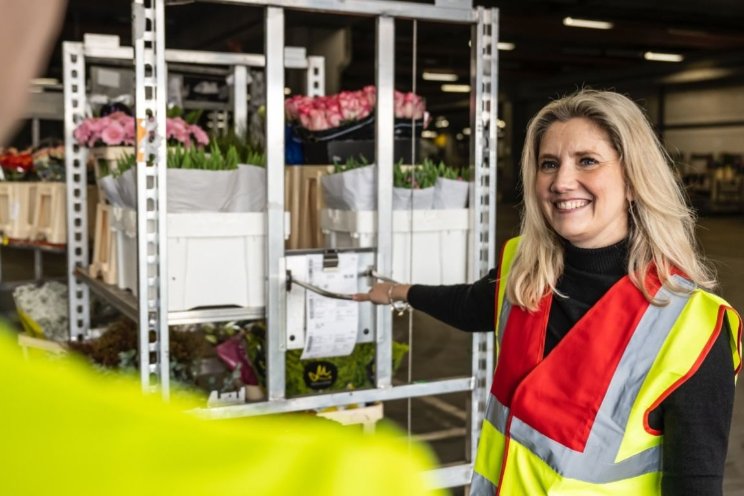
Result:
pixel 560 395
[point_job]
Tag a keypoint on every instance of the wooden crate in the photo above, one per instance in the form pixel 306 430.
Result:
pixel 303 198
pixel 104 246
pixel 17 204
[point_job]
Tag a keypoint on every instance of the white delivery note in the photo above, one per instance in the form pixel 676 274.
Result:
pixel 331 325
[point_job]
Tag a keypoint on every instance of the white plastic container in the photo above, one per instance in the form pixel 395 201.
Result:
pixel 438 240
pixel 123 222
pixel 214 259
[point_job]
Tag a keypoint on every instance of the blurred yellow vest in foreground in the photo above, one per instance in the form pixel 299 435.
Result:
pixel 67 430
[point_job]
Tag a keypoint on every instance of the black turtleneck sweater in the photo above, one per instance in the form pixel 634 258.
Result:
pixel 695 418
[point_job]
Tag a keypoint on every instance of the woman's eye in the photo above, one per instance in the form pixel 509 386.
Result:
pixel 548 165
pixel 587 161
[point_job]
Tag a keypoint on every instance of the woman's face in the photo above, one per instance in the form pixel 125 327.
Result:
pixel 580 184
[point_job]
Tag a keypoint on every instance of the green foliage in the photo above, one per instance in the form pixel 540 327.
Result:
pixel 423 175
pixel 180 157
pixel 123 164
pixel 353 371
pixel 351 163
pixel 248 150
pixel 191 117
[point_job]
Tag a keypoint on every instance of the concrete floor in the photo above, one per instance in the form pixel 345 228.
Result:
pixel 439 351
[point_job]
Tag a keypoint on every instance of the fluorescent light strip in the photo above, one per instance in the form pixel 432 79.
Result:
pixel 663 57
pixel 439 76
pixel 456 88
pixel 586 23
pixel 505 46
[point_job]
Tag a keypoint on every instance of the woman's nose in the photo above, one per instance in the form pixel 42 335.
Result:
pixel 564 179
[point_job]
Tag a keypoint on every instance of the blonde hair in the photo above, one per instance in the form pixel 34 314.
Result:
pixel 661 226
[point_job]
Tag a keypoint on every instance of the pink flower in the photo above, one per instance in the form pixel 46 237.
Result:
pixel 333 117
pixel 82 132
pixel 200 136
pixel 113 134
pixel 129 132
pixel 370 92
pixel 318 120
pixel 291 106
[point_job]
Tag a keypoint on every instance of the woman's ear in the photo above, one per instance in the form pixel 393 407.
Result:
pixel 629 193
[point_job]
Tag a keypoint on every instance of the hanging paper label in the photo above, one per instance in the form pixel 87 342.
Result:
pixel 331 325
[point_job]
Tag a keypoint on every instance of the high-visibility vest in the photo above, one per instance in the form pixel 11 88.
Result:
pixel 576 421
pixel 66 430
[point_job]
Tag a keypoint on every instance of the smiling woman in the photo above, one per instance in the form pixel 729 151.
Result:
pixel 615 372
pixel 581 186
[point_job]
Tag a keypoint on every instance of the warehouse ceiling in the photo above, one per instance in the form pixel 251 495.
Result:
pixel 547 56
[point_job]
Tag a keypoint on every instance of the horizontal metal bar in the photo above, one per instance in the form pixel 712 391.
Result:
pixel 301 403
pixel 403 10
pixel 198 57
pixel 215 315
pixel 316 289
pixel 454 476
pixel 428 437
pixel 374 275
pixel 125 302
pixel 122 300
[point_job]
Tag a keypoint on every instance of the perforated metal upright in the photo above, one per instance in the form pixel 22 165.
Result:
pixel 76 178
pixel 484 108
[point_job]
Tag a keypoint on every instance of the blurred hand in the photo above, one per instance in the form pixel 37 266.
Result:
pixel 27 31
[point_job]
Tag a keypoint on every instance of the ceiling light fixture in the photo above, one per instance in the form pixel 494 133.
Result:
pixel 456 88
pixel 663 57
pixel 441 122
pixel 428 134
pixel 586 23
pixel 439 76
pixel 505 46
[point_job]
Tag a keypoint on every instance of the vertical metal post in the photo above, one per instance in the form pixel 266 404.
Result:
pixel 484 106
pixel 276 297
pixel 35 132
pixel 77 208
pixel 149 59
pixel 385 80
pixel 240 99
pixel 315 76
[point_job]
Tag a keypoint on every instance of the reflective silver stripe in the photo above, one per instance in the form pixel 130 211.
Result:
pixel 596 464
pixel 503 317
pixel 589 466
pixel 480 486
pixel 644 346
pixel 497 414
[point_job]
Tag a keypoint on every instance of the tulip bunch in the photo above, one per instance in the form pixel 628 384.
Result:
pixel 118 129
pixel 326 112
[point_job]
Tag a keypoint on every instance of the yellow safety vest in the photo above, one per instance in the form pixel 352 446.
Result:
pixel 66 430
pixel 576 421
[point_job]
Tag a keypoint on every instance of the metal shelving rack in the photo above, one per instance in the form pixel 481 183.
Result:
pixel 76 55
pixel 150 58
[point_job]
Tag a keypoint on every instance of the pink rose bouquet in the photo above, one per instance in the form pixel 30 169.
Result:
pixel 326 112
pixel 118 128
